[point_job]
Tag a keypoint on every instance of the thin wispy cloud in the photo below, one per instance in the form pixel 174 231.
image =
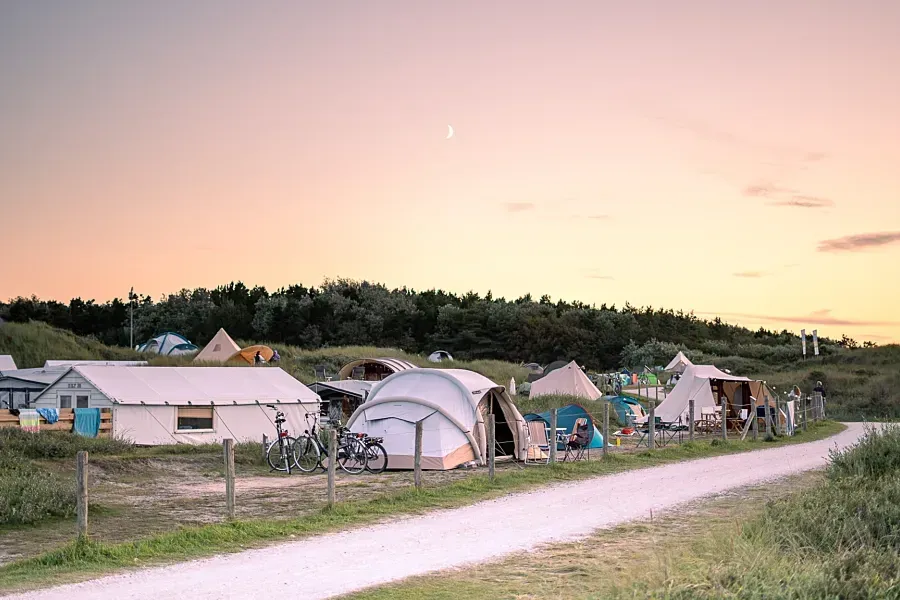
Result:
pixel 766 190
pixel 598 274
pixel 804 202
pixel 750 274
pixel 864 241
pixel 820 317
pixel 517 207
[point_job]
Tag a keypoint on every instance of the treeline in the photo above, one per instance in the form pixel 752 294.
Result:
pixel 470 326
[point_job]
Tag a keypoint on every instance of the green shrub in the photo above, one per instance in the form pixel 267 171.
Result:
pixel 29 494
pixel 56 444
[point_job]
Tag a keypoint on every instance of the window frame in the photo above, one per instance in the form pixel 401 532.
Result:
pixel 195 412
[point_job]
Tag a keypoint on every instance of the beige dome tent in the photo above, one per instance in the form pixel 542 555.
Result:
pixel 569 380
pixel 453 405
pixel 219 349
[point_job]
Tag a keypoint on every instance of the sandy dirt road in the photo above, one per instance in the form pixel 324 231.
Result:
pixel 334 564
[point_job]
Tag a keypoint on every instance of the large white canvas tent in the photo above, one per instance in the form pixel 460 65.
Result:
pixel 569 380
pixel 453 405
pixel 679 363
pixel 705 385
pixel 193 405
pixel 219 349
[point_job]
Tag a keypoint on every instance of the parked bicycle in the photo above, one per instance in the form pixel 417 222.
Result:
pixel 309 451
pixel 376 455
pixel 280 453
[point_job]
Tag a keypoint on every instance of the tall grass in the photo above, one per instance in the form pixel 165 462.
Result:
pixel 31 344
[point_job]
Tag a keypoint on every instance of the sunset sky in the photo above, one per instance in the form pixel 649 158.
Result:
pixel 731 157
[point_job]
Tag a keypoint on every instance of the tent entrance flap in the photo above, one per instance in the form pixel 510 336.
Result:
pixel 505 440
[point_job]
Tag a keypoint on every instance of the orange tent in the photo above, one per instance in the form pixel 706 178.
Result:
pixel 246 355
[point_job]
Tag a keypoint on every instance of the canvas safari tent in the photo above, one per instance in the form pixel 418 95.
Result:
pixel 569 380
pixel 678 364
pixel 453 405
pixel 219 349
pixel 193 405
pixel 705 385
pixel 374 369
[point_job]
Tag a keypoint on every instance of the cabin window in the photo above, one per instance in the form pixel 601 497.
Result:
pixel 65 401
pixel 190 418
pixel 81 401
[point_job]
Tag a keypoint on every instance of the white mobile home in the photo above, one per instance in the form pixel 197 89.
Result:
pixel 194 405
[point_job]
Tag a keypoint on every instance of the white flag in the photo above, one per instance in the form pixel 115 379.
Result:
pixel 816 342
pixel 803 340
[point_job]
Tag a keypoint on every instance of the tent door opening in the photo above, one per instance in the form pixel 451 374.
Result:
pixel 505 442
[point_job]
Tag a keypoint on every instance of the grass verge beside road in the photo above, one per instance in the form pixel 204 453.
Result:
pixel 81 560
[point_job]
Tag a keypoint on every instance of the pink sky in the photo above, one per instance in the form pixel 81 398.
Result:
pixel 696 155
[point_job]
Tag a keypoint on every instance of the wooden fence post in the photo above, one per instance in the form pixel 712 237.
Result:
pixel 553 421
pixel 605 433
pixel 778 430
pixel 265 447
pixel 332 464
pixel 228 447
pixel 492 432
pixel 724 419
pixel 417 460
pixel 755 423
pixel 768 420
pixel 651 426
pixel 81 491
pixel 691 420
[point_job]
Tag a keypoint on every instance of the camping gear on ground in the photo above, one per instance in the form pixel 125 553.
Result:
pixel 50 415
pixel 29 420
pixel 87 422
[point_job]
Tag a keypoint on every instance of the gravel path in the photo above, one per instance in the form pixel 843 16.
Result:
pixel 333 564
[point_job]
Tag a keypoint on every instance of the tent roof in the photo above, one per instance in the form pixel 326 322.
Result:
pixel 219 349
pixel 7 363
pixel 569 380
pixel 349 386
pixel 50 364
pixel 394 364
pixel 680 360
pixel 180 386
pixel 40 376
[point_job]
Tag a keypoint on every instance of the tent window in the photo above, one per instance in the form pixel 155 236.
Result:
pixel 65 401
pixel 217 348
pixel 81 401
pixel 190 418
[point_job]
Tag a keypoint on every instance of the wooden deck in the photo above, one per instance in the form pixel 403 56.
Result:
pixel 65 423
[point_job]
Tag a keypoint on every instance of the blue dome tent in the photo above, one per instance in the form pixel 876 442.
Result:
pixel 627 409
pixel 566 417
pixel 168 344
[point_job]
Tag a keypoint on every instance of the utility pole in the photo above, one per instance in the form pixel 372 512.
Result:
pixel 131 311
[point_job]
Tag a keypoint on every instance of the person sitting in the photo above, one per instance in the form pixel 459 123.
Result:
pixel 258 359
pixel 275 356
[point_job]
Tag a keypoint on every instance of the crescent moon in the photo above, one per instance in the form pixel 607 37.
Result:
pixel 449 132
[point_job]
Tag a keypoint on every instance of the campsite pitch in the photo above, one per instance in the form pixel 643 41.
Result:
pixel 452 538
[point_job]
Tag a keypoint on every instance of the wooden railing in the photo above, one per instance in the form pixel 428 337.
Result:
pixel 65 423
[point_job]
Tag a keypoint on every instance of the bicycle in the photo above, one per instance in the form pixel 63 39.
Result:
pixel 376 455
pixel 280 453
pixel 309 450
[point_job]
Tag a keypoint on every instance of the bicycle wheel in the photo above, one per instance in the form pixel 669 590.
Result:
pixel 352 456
pixel 376 458
pixel 278 459
pixel 306 454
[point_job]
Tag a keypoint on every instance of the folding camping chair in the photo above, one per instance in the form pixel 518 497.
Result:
pixel 321 375
pixel 579 440
pixel 358 373
pixel 538 445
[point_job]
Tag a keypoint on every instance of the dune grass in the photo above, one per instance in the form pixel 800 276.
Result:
pixel 31 344
pixel 83 559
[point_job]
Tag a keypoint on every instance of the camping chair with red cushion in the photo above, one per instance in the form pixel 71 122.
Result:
pixel 580 438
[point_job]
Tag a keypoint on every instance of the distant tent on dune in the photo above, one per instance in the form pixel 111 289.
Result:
pixel 168 344
pixel 219 349
pixel 679 363
pixel 569 380
pixel 248 354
